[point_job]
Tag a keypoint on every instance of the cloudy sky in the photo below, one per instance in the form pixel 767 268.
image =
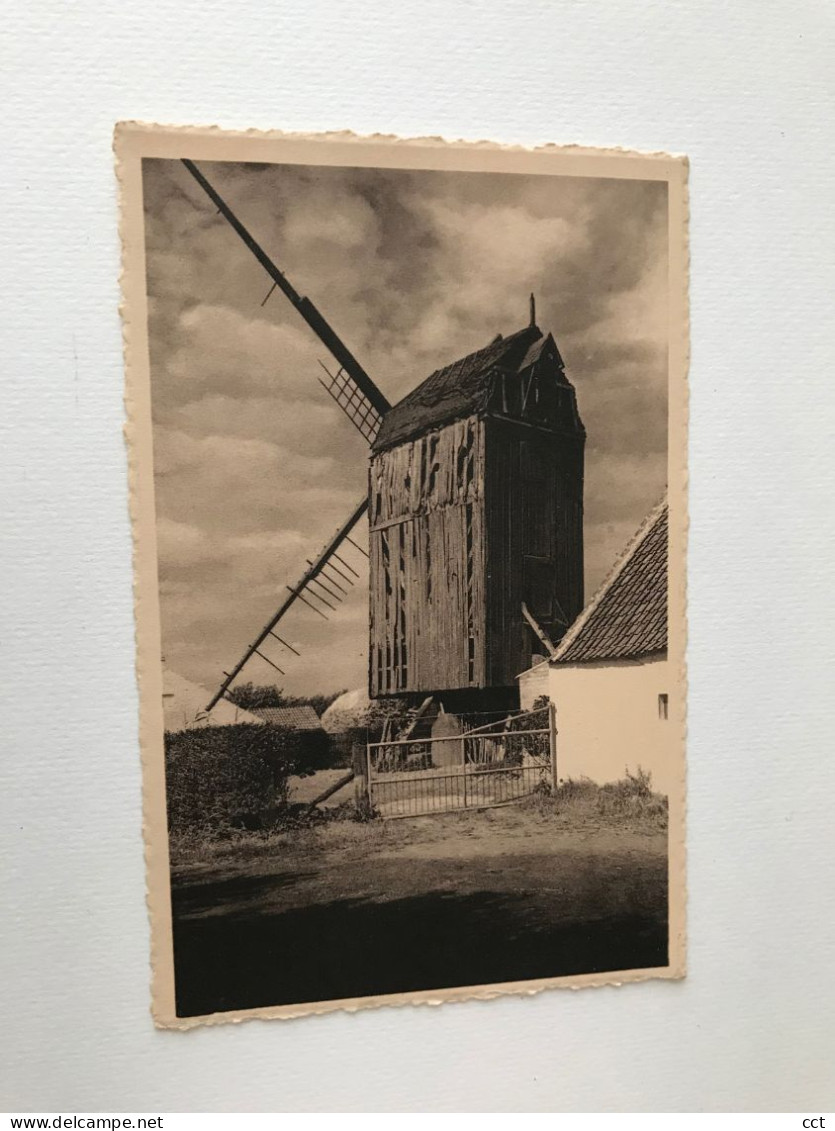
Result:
pixel 255 467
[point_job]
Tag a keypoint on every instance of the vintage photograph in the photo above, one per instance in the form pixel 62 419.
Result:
pixel 408 430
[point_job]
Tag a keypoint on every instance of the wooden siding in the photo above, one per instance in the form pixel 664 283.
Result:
pixel 534 542
pixel 427 604
pixel 467 522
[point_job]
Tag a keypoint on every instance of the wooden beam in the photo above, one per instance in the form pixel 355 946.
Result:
pixel 540 632
pixel 421 711
pixel 330 791
pixel 303 305
pixel 295 594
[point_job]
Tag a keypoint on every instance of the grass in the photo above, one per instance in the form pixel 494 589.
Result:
pixel 563 884
pixel 578 804
pixel 630 800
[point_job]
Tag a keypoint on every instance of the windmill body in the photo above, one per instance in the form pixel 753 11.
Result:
pixel 475 509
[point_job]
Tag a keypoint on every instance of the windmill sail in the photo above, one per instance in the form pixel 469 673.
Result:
pixel 362 402
pixel 359 410
pixel 366 393
pixel 305 590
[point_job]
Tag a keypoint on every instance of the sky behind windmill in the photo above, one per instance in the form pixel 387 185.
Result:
pixel 255 467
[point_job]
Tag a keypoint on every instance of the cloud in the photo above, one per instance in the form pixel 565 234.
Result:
pixel 214 349
pixel 274 419
pixel 255 467
pixel 182 549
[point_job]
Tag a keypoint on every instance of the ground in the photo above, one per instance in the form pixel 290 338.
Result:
pixel 302 791
pixel 346 909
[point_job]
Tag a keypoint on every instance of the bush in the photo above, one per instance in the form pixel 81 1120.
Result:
pixel 220 778
pixel 576 789
pixel 306 750
pixel 365 811
pixel 629 801
pixel 536 745
pixel 632 796
pixel 341 747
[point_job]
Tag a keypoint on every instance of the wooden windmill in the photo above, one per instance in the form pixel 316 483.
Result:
pixel 475 509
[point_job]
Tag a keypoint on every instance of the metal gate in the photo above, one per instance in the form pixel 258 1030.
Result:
pixel 477 769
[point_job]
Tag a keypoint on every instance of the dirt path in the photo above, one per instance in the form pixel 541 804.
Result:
pixel 348 910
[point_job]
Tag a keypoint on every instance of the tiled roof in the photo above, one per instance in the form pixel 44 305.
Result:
pixel 628 616
pixel 456 390
pixel 295 718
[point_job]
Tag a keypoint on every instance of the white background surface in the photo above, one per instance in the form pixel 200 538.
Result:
pixel 744 90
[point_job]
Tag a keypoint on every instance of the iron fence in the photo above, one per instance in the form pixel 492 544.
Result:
pixel 478 768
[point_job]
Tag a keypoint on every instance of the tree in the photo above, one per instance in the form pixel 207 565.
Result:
pixel 254 697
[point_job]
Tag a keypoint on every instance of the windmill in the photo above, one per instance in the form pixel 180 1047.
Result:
pixel 475 509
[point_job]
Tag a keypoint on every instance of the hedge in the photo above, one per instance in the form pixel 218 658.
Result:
pixel 219 778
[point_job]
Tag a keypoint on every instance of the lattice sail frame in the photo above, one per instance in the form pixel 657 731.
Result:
pixel 357 407
pixel 323 567
pixel 363 403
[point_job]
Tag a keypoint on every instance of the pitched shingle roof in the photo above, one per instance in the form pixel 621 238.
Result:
pixel 627 617
pixel 455 391
pixel 295 718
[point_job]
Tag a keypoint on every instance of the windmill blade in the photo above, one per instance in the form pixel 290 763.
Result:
pixel 350 373
pixel 303 591
pixel 358 408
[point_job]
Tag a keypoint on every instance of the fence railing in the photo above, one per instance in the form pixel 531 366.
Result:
pixel 478 767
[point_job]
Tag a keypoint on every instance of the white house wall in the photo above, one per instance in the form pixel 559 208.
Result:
pixel 532 685
pixel 609 719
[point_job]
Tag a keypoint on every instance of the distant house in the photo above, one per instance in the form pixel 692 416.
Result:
pixel 293 718
pixel 184 706
pixel 609 677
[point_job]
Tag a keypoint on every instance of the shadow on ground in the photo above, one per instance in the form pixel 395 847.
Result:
pixel 356 947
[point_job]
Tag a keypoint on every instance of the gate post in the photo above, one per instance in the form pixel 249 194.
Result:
pixel 359 764
pixel 552 740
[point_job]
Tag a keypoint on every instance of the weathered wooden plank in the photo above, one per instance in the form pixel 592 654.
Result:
pixel 424 612
pixel 469 522
pixel 433 471
pixel 518 462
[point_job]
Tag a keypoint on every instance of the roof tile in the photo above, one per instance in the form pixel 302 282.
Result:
pixel 454 391
pixel 295 718
pixel 627 617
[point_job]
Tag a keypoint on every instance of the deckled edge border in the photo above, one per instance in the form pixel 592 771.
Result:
pixel 128 136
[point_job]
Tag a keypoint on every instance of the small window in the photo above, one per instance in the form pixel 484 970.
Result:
pixel 663 705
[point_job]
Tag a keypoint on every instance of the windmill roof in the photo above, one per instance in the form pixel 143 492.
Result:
pixel 458 389
pixel 627 617
pixel 294 718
